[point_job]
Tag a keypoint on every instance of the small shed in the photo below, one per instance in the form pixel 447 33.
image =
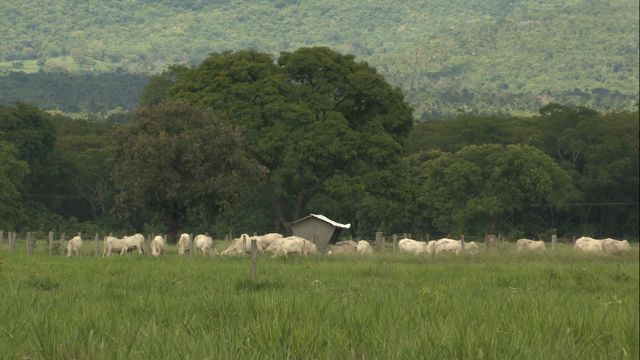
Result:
pixel 319 229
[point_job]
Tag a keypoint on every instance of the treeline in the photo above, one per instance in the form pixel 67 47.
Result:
pixel 91 94
pixel 475 56
pixel 455 176
pixel 98 94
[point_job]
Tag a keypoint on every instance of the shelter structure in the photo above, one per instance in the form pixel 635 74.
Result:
pixel 319 229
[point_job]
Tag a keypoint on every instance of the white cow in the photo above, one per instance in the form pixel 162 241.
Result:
pixel 343 247
pixel 446 245
pixel 74 246
pixel 364 248
pixel 113 244
pixel 292 245
pixel 242 245
pixel 413 246
pixel 204 244
pixel 471 247
pixel 615 246
pixel 587 244
pixel 135 242
pixel 184 244
pixel 157 246
pixel 525 245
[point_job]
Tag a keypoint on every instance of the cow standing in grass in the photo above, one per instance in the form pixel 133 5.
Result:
pixel 157 246
pixel 184 244
pixel 135 242
pixel 587 244
pixel 292 245
pixel 364 248
pixel 204 244
pixel 113 244
pixel 242 245
pixel 615 246
pixel 413 246
pixel 343 247
pixel 528 245
pixel 74 246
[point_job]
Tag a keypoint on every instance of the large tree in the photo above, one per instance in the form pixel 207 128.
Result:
pixel 483 187
pixel 314 116
pixel 175 158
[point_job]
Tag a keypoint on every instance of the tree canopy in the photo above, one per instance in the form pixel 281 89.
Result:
pixel 481 187
pixel 176 160
pixel 313 116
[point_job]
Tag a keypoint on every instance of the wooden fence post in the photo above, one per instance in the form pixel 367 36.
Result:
pixel 97 244
pixel 428 237
pixel 192 245
pixel 1 239
pixel 62 243
pixel 50 239
pixel 554 239
pixel 462 242
pixel 29 249
pixel 254 258
pixel 379 240
pixel 12 241
pixel 405 236
pixel 491 242
pixel 395 242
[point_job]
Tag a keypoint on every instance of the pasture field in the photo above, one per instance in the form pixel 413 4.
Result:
pixel 500 305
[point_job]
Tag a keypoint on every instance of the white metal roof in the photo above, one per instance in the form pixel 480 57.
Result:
pixel 327 220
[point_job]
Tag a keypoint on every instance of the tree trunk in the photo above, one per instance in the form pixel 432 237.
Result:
pixel 172 231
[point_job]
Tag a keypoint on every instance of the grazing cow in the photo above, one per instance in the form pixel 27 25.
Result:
pixel 292 245
pixel 135 242
pixel 364 248
pixel 525 245
pixel 242 245
pixel 413 246
pixel 343 247
pixel 74 246
pixel 113 244
pixel 587 244
pixel 446 245
pixel 184 244
pixel 471 247
pixel 157 246
pixel 204 244
pixel 615 246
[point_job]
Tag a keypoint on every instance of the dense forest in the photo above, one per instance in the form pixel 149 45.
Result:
pixel 323 133
pixel 96 95
pixel 476 57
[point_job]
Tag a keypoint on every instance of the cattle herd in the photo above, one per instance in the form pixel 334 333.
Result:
pixel 277 245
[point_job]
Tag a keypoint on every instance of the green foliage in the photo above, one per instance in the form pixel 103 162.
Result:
pixel 479 188
pixel 312 117
pixel 598 151
pixel 74 93
pixel 478 56
pixel 175 157
pixel 12 171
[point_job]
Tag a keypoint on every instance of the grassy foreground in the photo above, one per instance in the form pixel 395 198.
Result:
pixel 389 306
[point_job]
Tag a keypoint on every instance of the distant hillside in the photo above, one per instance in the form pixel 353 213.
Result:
pixel 447 55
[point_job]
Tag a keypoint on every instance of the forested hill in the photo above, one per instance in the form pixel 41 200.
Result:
pixel 446 55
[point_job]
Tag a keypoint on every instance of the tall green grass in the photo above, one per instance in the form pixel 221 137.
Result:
pixel 500 305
